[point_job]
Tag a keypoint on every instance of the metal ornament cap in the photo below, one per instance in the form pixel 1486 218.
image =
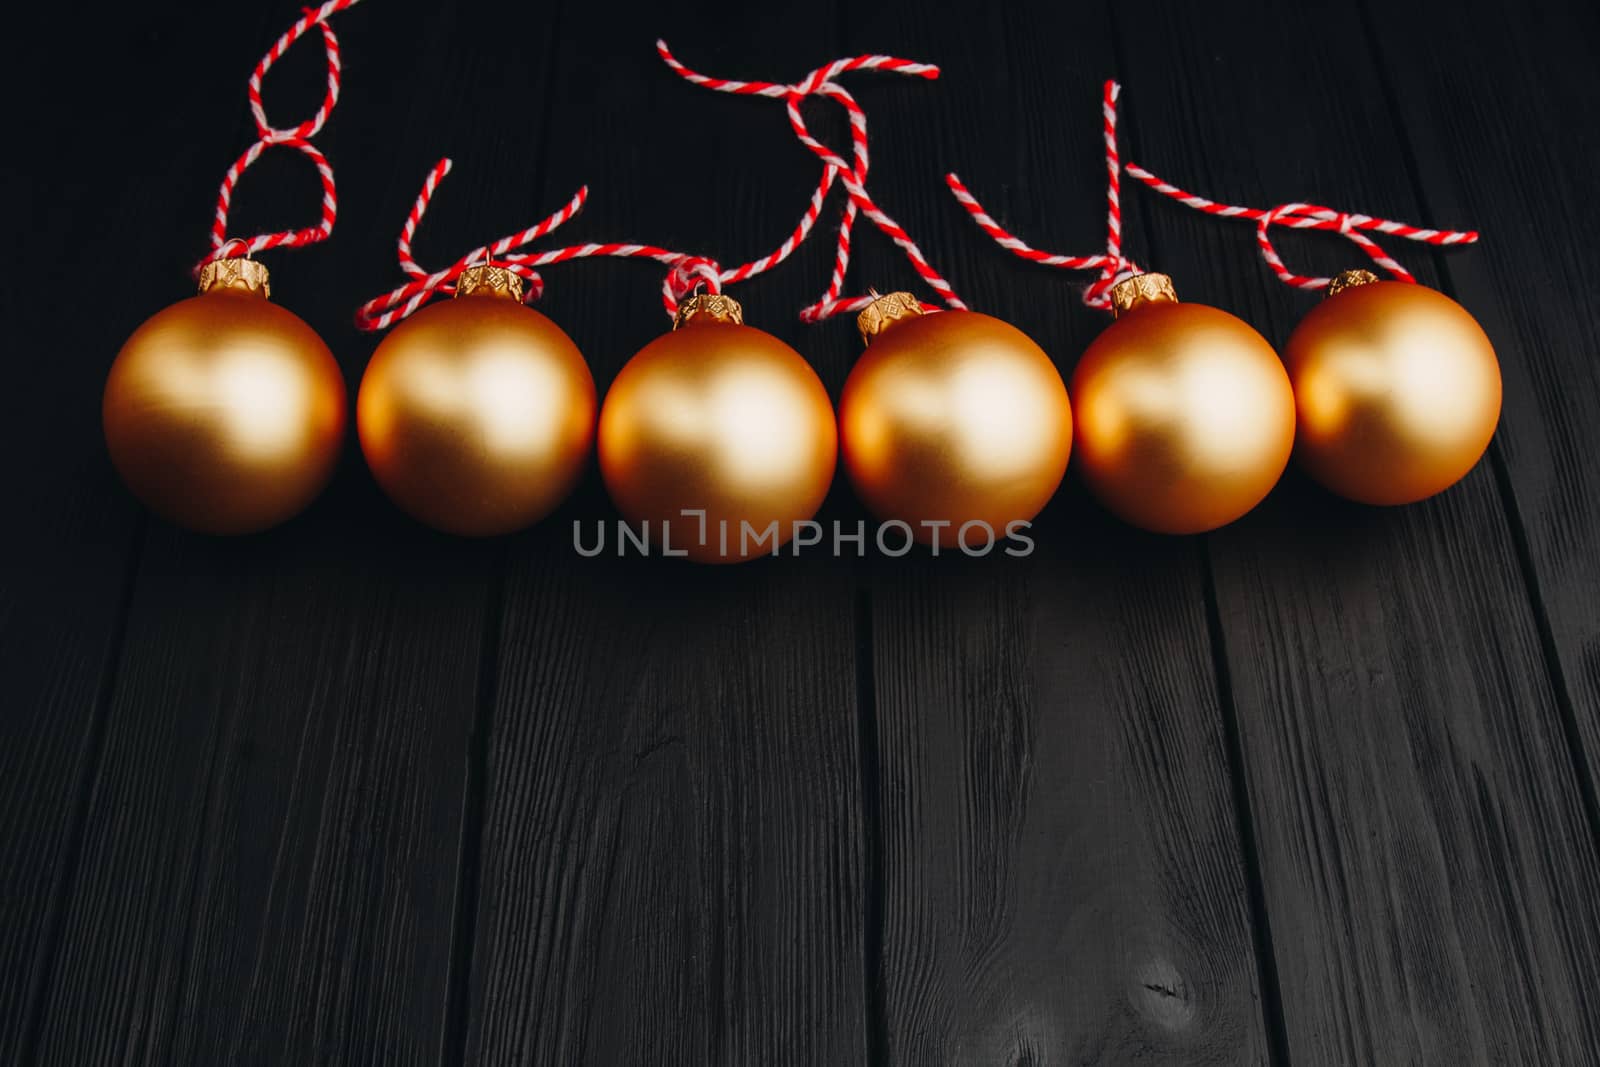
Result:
pixel 241 275
pixel 709 307
pixel 1347 279
pixel 884 312
pixel 1141 289
pixel 489 279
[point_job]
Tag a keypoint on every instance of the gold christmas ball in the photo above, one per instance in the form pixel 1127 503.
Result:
pixel 952 417
pixel 224 413
pixel 1397 389
pixel 477 414
pixel 722 418
pixel 1185 414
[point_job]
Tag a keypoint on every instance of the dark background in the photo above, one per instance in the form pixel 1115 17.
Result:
pixel 1317 788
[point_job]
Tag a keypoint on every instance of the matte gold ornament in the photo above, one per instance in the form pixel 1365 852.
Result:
pixel 477 414
pixel 1185 414
pixel 224 413
pixel 1397 389
pixel 721 418
pixel 952 417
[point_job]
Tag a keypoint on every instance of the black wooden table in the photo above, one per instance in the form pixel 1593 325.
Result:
pixel 1318 788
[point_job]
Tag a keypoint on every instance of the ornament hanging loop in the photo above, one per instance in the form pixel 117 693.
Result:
pixel 1112 265
pixel 687 271
pixel 1302 216
pixel 313 18
pixel 384 311
pixel 297 138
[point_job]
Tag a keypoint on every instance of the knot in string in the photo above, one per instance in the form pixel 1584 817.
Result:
pixel 688 274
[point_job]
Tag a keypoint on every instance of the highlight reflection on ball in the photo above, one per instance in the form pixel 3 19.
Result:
pixel 477 414
pixel 952 417
pixel 1398 390
pixel 717 417
pixel 224 413
pixel 1185 414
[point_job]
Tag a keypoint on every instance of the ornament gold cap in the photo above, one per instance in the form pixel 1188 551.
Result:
pixel 709 308
pixel 1349 279
pixel 489 279
pixel 238 274
pixel 884 312
pixel 1142 289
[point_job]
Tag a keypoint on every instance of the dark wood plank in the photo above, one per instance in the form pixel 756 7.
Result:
pixel 1522 282
pixel 1430 876
pixel 67 551
pixel 62 598
pixel 1063 876
pixel 270 865
pixel 673 857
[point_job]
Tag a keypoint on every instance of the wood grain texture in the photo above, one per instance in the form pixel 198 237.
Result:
pixel 1317 789
pixel 1430 876
pixel 1063 880
pixel 673 853
pixel 271 855
pixel 61 602
pixel 269 867
pixel 71 538
pixel 1525 281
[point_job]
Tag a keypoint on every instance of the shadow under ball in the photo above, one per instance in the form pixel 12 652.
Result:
pixel 476 415
pixel 1398 390
pixel 720 417
pixel 952 417
pixel 1185 414
pixel 224 413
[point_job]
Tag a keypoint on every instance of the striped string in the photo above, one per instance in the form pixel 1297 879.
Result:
pixel 1112 265
pixel 1301 216
pixel 297 137
pixel 686 274
pixel 852 176
pixel 1298 216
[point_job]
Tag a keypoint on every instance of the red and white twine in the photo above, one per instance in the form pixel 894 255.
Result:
pixel 1112 264
pixel 296 137
pixel 1300 216
pixel 852 176
pixel 688 272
